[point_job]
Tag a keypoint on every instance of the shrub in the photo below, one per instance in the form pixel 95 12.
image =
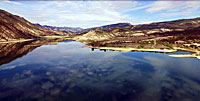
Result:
pixel 170 46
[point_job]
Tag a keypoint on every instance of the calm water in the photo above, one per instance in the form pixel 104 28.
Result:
pixel 68 72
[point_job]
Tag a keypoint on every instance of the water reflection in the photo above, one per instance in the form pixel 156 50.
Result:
pixel 11 51
pixel 69 72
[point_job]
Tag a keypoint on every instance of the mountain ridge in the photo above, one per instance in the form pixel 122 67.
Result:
pixel 63 29
pixel 174 24
pixel 81 30
pixel 143 29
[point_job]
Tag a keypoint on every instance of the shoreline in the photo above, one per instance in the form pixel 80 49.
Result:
pixel 188 50
pixel 15 41
pixel 134 49
pixel 192 55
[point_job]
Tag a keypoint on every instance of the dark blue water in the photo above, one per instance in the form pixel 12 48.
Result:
pixel 68 72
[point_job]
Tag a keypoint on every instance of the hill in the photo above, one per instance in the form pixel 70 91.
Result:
pixel 157 35
pixel 13 27
pixel 106 27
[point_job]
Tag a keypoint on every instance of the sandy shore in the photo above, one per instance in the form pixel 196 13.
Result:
pixel 180 56
pixel 134 49
pixel 186 56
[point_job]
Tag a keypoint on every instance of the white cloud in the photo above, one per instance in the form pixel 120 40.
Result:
pixel 12 2
pixel 174 8
pixel 97 13
pixel 76 13
pixel 160 5
pixel 140 7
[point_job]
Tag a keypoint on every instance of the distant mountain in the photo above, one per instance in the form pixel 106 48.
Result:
pixel 107 27
pixel 13 27
pixel 180 25
pixel 81 30
pixel 175 24
pixel 166 26
pixel 63 29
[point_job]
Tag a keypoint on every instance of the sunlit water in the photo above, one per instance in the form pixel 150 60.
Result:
pixel 68 72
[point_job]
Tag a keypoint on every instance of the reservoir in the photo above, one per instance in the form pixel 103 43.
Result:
pixel 68 72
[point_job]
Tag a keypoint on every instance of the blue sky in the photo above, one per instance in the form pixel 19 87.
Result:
pixel 87 14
